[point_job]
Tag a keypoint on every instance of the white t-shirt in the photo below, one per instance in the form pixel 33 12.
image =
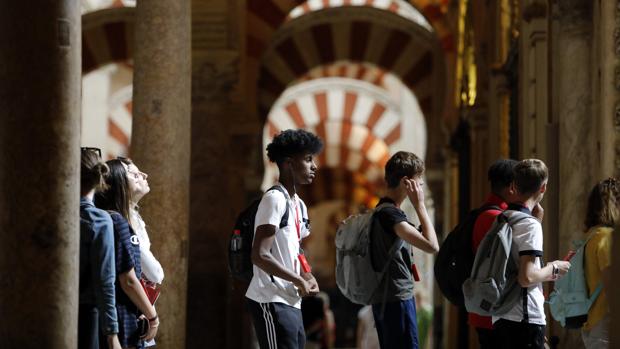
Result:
pixel 151 268
pixel 265 288
pixel 527 239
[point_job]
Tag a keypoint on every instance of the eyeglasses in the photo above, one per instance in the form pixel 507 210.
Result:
pixel 96 150
pixel 136 175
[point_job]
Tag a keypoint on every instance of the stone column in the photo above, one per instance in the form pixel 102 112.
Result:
pixel 607 33
pixel 573 110
pixel 40 74
pixel 572 113
pixel 226 140
pixel 160 145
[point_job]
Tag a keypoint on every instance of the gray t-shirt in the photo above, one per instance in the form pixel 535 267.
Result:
pixel 383 236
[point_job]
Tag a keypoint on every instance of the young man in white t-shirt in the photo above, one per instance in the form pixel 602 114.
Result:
pixel 523 326
pixel 281 273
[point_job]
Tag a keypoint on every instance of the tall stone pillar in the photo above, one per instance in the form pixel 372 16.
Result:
pixel 40 72
pixel 572 66
pixel 160 145
pixel 573 109
pixel 226 135
pixel 607 87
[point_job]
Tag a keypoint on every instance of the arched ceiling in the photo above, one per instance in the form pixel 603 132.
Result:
pixel 358 122
pixel 398 7
pixel 346 69
pixel 264 17
pixel 107 37
pixel 319 38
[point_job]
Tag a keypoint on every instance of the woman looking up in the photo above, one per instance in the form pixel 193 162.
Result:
pixel 139 187
pixel 152 272
pixel 132 302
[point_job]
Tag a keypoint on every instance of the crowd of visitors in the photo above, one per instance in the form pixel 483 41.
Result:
pixel 120 276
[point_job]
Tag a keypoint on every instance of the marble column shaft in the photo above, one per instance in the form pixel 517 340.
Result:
pixel 40 80
pixel 160 146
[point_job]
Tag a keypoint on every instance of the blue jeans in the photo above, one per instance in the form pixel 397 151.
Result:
pixel 397 328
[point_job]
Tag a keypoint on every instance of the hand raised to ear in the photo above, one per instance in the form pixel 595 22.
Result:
pixel 415 191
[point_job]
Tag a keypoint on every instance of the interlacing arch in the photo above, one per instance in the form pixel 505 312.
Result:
pixel 107 37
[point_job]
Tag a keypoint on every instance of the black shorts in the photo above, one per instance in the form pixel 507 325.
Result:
pixel 277 325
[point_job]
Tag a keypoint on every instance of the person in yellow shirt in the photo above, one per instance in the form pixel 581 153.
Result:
pixel 603 214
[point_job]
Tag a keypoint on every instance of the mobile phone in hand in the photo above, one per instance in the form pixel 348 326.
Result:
pixel 143 326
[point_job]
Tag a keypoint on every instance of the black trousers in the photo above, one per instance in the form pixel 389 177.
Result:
pixel 519 335
pixel 88 327
pixel 277 325
pixel 488 338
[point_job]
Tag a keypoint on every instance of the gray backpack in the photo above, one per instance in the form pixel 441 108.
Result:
pixel 493 288
pixel 355 276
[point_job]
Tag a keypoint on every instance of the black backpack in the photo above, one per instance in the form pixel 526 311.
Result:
pixel 240 243
pixel 456 257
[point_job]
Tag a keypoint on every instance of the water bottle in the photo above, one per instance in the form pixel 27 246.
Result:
pixel 236 242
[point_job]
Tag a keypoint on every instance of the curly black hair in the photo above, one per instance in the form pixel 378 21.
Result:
pixel 501 174
pixel 293 142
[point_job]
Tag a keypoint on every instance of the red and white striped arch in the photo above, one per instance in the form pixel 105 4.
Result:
pixel 356 34
pixel 346 69
pixel 399 7
pixel 359 123
pixel 264 17
pixel 107 37
pixel 119 123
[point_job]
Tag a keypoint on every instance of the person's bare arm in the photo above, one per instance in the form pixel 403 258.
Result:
pixel 133 289
pixel 606 278
pixel 410 234
pixel 530 274
pixel 427 239
pixel 113 343
pixel 262 258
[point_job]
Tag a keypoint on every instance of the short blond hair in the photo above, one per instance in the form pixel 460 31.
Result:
pixel 530 175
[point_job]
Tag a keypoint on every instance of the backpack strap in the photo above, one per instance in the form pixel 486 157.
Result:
pixel 284 220
pixel 304 216
pixel 488 208
pixel 517 217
